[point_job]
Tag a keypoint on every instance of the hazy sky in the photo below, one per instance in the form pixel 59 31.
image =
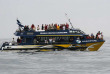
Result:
pixel 90 16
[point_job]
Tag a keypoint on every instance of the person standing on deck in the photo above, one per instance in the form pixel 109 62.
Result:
pixel 63 26
pixel 45 27
pixel 42 26
pixel 38 27
pixel 58 27
pixel 67 26
pixel 13 41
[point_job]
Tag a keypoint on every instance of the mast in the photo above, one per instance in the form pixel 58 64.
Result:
pixel 69 21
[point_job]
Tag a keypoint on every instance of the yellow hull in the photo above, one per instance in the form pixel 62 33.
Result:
pixel 80 47
pixel 94 46
pixel 90 46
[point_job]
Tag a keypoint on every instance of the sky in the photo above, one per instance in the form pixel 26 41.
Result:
pixel 90 16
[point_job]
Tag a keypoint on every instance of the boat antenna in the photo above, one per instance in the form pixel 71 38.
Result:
pixel 19 23
pixel 69 21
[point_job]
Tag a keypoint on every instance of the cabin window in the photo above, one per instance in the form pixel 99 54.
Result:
pixel 28 40
pixel 76 31
pixel 70 31
pixel 24 40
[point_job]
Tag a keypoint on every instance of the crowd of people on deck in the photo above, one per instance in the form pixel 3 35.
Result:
pixel 50 40
pixel 99 35
pixel 47 27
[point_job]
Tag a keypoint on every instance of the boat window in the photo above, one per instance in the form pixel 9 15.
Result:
pixel 76 31
pixel 70 31
pixel 24 40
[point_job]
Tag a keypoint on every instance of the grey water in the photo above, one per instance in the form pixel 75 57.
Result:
pixel 57 62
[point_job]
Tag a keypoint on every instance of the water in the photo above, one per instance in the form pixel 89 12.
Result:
pixel 58 62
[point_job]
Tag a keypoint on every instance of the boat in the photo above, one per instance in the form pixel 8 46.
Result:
pixel 52 40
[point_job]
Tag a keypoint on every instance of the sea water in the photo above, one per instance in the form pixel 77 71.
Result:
pixel 57 62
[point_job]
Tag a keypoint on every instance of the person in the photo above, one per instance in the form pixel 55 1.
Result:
pixel 97 37
pixel 71 39
pixel 50 40
pixel 67 26
pixel 92 36
pixel 42 26
pixel 62 40
pixel 87 37
pixel 32 26
pixel 46 42
pixel 101 36
pixel 13 42
pixel 55 28
pixel 18 40
pixel 49 27
pixel 52 27
pixel 45 27
pixel 38 27
pixel 58 27
pixel 53 40
pixel 34 41
pixel 25 28
pixel 63 26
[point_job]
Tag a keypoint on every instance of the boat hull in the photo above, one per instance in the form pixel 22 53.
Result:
pixel 76 47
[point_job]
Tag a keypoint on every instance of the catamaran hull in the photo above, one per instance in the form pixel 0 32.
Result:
pixel 76 47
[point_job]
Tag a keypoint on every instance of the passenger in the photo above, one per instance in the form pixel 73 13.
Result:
pixel 25 28
pixel 71 39
pixel 38 27
pixel 58 27
pixel 55 27
pixel 46 41
pixel 35 41
pixel 38 40
pixel 82 38
pixel 67 26
pixel 101 36
pixel 62 40
pixel 87 37
pixel 97 35
pixel 78 38
pixel 53 40
pixel 13 42
pixel 92 36
pixel 45 27
pixel 52 27
pixel 63 26
pixel 32 26
pixel 49 27
pixel 50 40
pixel 42 27
pixel 28 27
pixel 18 40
